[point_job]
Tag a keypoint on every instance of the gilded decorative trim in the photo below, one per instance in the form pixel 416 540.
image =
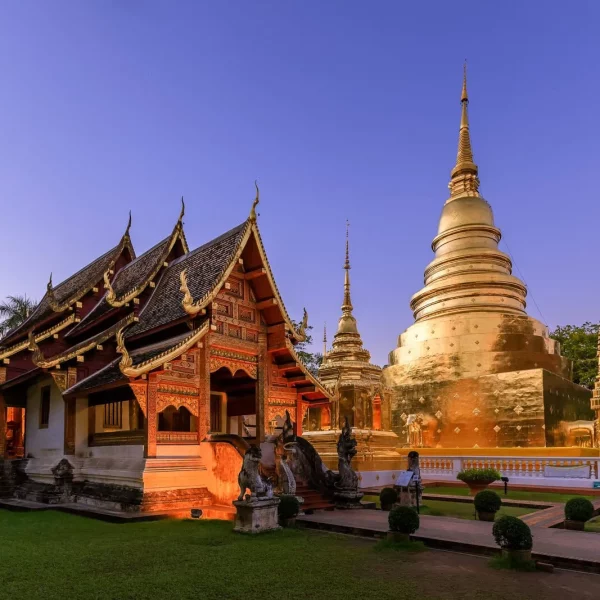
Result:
pixel 126 363
pixel 301 331
pixel 39 360
pixel 116 302
pixel 56 307
pixel 39 337
pixel 188 300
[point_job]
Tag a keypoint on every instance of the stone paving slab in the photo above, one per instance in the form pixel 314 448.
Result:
pixel 569 549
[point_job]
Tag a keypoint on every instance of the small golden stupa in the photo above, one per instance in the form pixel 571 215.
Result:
pixel 474 370
pixel 346 371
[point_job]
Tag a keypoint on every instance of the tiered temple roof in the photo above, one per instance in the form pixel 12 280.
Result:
pixel 152 309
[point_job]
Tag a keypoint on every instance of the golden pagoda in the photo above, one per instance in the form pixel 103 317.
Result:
pixel 474 370
pixel 355 383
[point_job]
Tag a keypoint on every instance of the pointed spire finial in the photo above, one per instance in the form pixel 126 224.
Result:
pixel 464 97
pixel 50 287
pixel 347 306
pixel 324 339
pixel 464 180
pixel 182 212
pixel 255 203
pixel 128 225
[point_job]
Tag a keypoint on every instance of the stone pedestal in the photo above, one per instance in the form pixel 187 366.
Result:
pixel 256 515
pixel 346 499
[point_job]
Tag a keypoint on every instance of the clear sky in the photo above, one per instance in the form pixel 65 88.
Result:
pixel 341 110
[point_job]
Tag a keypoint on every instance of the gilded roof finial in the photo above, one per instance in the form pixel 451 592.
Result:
pixel 51 297
pixel 347 306
pixel 324 340
pixel 126 360
pixel 255 203
pixel 128 225
pixel 464 180
pixel 111 295
pixel 182 212
pixel 37 357
pixel 303 325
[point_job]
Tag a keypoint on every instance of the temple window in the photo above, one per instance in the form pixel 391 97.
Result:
pixel 173 419
pixel 113 415
pixel 45 407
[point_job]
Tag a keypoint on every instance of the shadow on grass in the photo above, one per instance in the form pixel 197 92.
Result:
pixel 386 545
pixel 513 564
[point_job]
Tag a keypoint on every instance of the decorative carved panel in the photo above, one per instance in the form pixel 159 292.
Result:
pixel 140 391
pixel 164 400
pixel 251 335
pixel 71 376
pixel 236 287
pixel 60 379
pixel 246 314
pixel 234 331
pixel 2 374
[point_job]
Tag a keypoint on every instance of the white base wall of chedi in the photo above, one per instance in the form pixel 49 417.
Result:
pixel 377 458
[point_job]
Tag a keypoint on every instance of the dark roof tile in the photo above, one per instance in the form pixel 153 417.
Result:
pixel 204 265
pixel 86 277
pixel 129 277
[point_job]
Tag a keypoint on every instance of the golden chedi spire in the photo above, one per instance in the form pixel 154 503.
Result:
pixel 464 180
pixel 347 305
pixel 469 272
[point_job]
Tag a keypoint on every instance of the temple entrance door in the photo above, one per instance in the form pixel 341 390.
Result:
pixel 15 433
pixel 233 403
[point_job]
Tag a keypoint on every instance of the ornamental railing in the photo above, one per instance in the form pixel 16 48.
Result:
pixel 177 437
pixel 117 438
pixel 548 469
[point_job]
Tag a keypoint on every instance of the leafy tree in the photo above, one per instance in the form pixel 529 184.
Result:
pixel 13 311
pixel 312 360
pixel 580 344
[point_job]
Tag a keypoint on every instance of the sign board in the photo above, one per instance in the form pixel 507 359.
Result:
pixel 596 485
pixel 404 478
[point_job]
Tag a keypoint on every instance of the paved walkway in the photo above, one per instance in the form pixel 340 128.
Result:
pixel 569 549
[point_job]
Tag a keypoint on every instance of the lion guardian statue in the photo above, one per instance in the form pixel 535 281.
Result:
pixel 250 477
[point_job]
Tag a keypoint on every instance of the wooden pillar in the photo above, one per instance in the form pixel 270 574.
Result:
pixel 262 388
pixel 299 416
pixel 70 416
pixel 91 422
pixel 2 427
pixel 203 368
pixel 151 425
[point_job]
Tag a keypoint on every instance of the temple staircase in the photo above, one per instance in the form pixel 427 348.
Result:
pixel 313 499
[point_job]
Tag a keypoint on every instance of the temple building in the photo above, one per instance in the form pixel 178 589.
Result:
pixel 138 383
pixel 355 383
pixel 474 370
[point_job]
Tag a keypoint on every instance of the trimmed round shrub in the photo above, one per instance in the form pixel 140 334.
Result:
pixel 479 475
pixel 487 501
pixel 403 519
pixel 289 507
pixel 579 509
pixel 388 496
pixel 511 533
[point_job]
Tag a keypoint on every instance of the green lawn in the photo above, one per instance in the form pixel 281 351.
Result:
pixel 512 495
pixel 51 555
pixel 460 510
pixel 593 525
pixel 55 556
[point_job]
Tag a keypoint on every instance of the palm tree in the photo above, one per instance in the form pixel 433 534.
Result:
pixel 14 311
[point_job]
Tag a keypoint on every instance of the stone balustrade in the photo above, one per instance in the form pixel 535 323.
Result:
pixel 523 470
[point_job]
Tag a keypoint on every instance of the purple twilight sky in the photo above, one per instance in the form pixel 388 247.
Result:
pixel 341 110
